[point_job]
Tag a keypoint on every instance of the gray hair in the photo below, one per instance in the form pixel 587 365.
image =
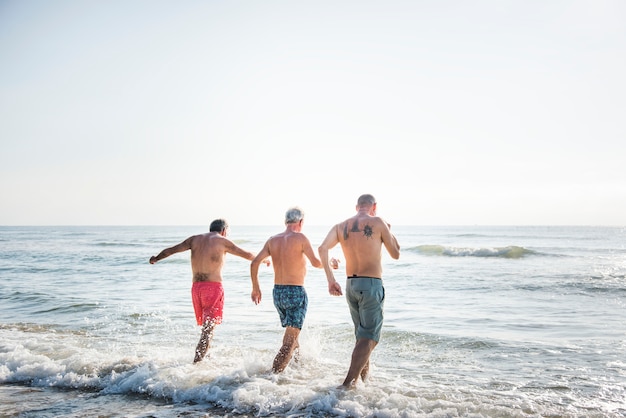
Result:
pixel 218 225
pixel 366 200
pixel 294 215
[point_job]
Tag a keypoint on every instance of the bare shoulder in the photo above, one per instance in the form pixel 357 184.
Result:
pixel 380 221
pixel 274 237
pixel 341 225
pixel 223 240
pixel 193 238
pixel 301 237
pixel 273 240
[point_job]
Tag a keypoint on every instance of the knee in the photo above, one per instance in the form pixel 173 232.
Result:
pixel 290 343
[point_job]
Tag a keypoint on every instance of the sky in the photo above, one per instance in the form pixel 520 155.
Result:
pixel 150 112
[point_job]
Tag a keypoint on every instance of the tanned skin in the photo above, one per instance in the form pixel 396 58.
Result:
pixel 361 238
pixel 289 251
pixel 208 253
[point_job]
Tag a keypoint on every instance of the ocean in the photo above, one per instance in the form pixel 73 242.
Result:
pixel 480 321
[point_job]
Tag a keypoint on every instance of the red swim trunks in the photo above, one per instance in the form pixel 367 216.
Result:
pixel 208 301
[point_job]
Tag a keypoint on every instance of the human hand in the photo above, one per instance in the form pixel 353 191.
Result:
pixel 256 296
pixel 334 289
pixel 334 263
pixel 266 261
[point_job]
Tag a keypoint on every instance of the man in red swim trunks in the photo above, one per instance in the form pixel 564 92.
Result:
pixel 207 259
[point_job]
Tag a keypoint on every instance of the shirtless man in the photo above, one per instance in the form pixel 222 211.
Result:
pixel 289 251
pixel 207 259
pixel 362 237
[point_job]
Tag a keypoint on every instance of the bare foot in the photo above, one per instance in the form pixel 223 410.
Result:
pixel 346 388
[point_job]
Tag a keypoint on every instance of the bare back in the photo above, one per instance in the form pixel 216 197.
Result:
pixel 208 252
pixel 289 251
pixel 361 238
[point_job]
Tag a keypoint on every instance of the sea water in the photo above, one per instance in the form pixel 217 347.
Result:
pixel 479 322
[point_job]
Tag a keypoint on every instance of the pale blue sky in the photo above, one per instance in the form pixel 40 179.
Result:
pixel 179 112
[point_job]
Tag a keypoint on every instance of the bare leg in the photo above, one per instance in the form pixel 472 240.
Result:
pixel 365 371
pixel 296 352
pixel 205 340
pixel 290 342
pixel 360 361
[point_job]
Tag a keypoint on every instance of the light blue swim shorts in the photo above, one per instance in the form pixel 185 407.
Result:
pixel 366 299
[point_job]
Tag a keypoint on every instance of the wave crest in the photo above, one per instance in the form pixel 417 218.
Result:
pixel 511 251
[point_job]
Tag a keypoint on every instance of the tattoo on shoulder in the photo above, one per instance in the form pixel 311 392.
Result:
pixel 368 231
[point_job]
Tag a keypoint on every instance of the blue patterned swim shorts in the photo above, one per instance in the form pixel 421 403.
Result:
pixel 291 303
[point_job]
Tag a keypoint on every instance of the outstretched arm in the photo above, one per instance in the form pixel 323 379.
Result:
pixel 232 248
pixel 183 246
pixel 240 252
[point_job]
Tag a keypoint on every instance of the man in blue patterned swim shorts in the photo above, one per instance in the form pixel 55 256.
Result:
pixel 289 251
pixel 291 303
pixel 362 237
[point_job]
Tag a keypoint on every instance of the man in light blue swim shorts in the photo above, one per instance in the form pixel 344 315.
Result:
pixel 366 298
pixel 361 238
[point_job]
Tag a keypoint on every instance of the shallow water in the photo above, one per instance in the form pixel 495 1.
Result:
pixel 479 321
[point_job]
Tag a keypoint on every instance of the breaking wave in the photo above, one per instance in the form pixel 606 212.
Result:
pixel 511 251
